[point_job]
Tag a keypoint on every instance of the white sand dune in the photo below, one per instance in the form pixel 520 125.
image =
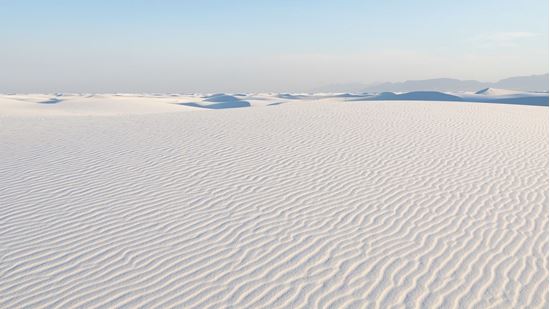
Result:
pixel 488 95
pixel 326 204
pixel 498 92
pixel 91 105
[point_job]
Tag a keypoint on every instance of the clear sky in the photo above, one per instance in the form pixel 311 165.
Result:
pixel 241 46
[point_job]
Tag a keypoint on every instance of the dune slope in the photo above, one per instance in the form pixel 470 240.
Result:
pixel 387 204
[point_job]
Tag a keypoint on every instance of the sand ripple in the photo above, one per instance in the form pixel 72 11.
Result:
pixel 383 205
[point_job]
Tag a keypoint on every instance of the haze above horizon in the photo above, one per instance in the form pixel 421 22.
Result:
pixel 215 46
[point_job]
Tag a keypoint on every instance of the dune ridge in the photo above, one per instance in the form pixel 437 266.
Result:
pixel 59 104
pixel 380 204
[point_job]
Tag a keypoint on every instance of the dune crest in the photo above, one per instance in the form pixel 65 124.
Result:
pixel 498 92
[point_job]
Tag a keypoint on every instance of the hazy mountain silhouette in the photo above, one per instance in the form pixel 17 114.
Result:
pixel 521 83
pixel 529 83
pixel 437 84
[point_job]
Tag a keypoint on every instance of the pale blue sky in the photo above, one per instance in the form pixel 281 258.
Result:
pixel 238 46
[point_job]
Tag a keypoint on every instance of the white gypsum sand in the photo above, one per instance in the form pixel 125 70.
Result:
pixel 309 204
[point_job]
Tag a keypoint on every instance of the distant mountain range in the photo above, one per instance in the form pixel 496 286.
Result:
pixel 520 83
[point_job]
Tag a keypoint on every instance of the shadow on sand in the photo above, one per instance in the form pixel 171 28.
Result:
pixel 440 96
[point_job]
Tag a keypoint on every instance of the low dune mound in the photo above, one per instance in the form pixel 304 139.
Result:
pixel 221 98
pixel 416 96
pixel 219 101
pixel 384 96
pixel 218 105
pixel 497 92
pixel 505 96
pixel 53 100
pixel 487 95
pixel 90 105
pixel 291 96
pixel 349 95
